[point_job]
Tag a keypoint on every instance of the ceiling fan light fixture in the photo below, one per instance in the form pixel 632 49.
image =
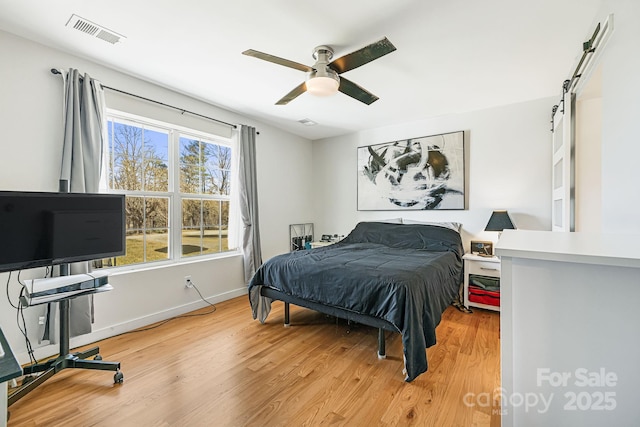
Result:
pixel 324 83
pixel 322 78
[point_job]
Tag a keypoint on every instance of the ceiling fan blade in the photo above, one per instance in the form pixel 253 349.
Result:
pixel 353 90
pixel 362 56
pixel 297 91
pixel 277 60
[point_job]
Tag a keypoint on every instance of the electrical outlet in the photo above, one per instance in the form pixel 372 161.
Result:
pixel 187 282
pixel 41 320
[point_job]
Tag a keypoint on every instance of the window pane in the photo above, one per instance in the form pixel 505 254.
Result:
pixel 135 249
pixel 190 179
pixel 191 213
pixel 157 244
pixel 156 212
pixel 203 229
pixel 225 170
pixel 147 220
pixel 211 226
pixel 204 167
pixel 217 182
pixel 211 213
pixel 217 166
pixel 224 225
pixel 156 160
pixel 125 144
pixel 134 209
pixel 138 157
pixel 189 151
pixel 209 185
pixel 156 228
pixel 191 227
pixel 225 182
pixel 210 168
pixel 190 166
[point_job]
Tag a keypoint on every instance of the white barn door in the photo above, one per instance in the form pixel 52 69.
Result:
pixel 564 134
pixel 563 168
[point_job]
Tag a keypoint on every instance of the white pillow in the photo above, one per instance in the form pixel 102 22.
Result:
pixel 455 226
pixel 388 221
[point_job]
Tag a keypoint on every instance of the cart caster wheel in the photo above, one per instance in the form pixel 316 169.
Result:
pixel 118 378
pixel 98 357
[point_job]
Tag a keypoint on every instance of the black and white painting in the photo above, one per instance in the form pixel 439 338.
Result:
pixel 413 174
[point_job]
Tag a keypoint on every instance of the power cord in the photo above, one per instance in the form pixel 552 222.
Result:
pixel 7 288
pixel 20 320
pixel 23 328
pixel 157 325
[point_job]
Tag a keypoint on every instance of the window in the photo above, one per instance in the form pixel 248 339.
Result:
pixel 205 171
pixel 177 184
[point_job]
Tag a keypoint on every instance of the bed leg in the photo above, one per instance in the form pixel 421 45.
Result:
pixel 382 352
pixel 287 322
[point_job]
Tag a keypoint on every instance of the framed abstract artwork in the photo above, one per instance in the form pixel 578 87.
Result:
pixel 422 173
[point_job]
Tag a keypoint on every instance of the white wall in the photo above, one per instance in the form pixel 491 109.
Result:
pixel 31 118
pixel 508 164
pixel 620 114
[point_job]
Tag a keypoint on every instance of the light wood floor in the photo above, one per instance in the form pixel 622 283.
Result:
pixel 226 369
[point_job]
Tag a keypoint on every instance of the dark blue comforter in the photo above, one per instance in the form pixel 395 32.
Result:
pixel 406 274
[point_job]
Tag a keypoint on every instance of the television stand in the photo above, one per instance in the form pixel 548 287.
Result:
pixel 65 360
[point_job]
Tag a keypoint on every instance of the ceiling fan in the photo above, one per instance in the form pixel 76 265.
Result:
pixel 322 77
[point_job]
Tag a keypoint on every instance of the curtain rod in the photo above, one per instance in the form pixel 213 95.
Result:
pixel 56 71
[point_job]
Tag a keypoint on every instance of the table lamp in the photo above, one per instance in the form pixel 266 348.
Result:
pixel 500 220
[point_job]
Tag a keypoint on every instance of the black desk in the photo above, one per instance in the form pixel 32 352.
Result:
pixel 9 369
pixel 9 366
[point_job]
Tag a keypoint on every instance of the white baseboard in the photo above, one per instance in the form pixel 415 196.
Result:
pixel 52 350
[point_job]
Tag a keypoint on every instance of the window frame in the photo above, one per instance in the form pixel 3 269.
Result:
pixel 173 193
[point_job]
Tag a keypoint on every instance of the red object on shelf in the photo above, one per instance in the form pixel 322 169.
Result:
pixel 482 296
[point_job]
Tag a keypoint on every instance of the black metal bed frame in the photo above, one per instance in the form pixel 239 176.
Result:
pixel 342 313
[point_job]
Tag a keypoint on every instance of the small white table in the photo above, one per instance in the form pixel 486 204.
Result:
pixel 321 243
pixel 486 267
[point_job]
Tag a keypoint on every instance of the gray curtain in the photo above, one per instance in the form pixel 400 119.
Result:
pixel 250 230
pixel 81 163
pixel 83 133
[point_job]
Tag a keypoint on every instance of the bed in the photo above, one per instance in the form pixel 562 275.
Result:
pixel 395 277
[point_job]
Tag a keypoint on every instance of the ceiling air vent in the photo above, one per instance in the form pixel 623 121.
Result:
pixel 95 30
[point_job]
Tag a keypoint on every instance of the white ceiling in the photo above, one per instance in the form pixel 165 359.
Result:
pixel 452 56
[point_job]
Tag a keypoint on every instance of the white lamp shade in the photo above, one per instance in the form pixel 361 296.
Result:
pixel 322 86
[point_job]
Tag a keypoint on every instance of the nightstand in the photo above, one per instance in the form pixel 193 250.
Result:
pixel 334 239
pixel 482 282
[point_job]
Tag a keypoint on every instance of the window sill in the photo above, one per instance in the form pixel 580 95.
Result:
pixel 126 269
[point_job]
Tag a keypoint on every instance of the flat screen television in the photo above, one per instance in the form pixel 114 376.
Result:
pixel 40 229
